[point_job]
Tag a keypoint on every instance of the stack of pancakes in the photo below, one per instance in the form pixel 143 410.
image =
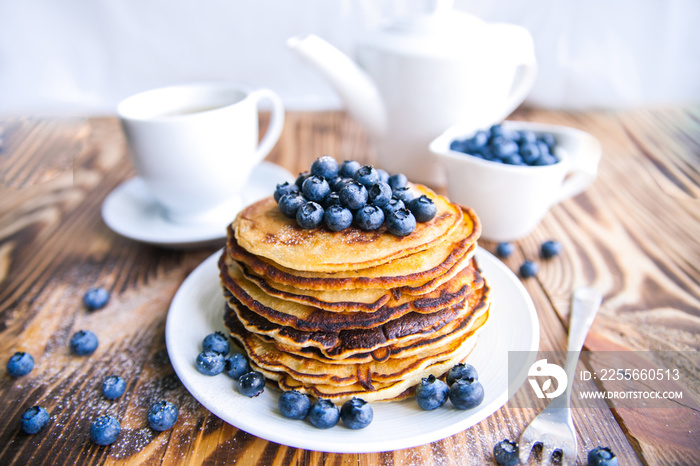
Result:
pixel 353 313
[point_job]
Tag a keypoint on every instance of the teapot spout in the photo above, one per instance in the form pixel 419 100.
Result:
pixel 356 88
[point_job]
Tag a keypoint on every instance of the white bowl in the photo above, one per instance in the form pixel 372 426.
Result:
pixel 511 200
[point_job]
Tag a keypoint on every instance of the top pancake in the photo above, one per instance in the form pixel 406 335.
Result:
pixel 263 231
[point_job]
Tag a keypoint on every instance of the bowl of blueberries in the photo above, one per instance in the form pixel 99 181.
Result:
pixel 513 172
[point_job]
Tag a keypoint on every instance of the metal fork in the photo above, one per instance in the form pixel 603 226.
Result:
pixel 554 428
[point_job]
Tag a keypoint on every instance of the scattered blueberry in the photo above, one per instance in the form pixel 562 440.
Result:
pixel 461 371
pixel 379 194
pixel 431 393
pixel 550 249
pixel 405 194
pixel 348 168
pixel 466 393
pixel 95 298
pixel 251 384
pixel 392 206
pixel 162 415
pixel 216 342
pixel 602 456
pixel 509 147
pixel 324 414
pixel 310 215
pixel 284 188
pixel 34 419
pixel 506 453
pixel 367 175
pixel 210 363
pixel 353 195
pixel 401 222
pixel 356 413
pixel 105 430
pixel 325 166
pixel 113 387
pixel 236 365
pixel 383 175
pixel 337 217
pixel 290 203
pixel 20 364
pixel 315 188
pixel 529 269
pixel 398 180
pixel 423 208
pixel 294 405
pixel 300 179
pixel 83 343
pixel 505 249
pixel 369 217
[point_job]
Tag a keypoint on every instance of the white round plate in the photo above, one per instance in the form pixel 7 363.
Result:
pixel 131 211
pixel 197 310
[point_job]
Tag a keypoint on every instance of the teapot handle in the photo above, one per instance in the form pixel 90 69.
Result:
pixel 517 42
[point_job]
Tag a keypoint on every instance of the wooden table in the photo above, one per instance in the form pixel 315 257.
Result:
pixel 634 234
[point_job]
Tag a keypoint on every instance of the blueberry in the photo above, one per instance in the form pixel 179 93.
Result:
pixel 294 405
pixel 236 365
pixel 392 206
pixel 529 269
pixel 34 419
pixel 105 430
pixel 325 166
pixel 423 208
pixel 337 183
pixel 530 153
pixel 401 222
pixel 331 199
pixel 379 193
pixel 315 188
pixel 545 159
pixel 479 140
pixel 251 384
pixel 383 175
pixel 353 195
pixel 431 393
pixel 602 456
pixel 496 131
pixel 310 215
pixel 513 159
pixel 398 180
pixel 506 453
pixel 337 217
pixel 461 145
pixel 301 178
pixel 461 371
pixel 526 137
pixel 95 298
pixel 405 194
pixel 550 249
pixel 503 147
pixel 216 342
pixel 290 203
pixel 20 364
pixel 356 413
pixel 113 387
pixel 548 139
pixel 83 342
pixel 367 175
pixel 324 414
pixel 466 393
pixel 369 217
pixel 504 249
pixel 348 168
pixel 210 363
pixel 284 188
pixel 162 415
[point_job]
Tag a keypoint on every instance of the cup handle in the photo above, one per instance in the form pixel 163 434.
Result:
pixel 274 129
pixel 584 152
pixel 517 42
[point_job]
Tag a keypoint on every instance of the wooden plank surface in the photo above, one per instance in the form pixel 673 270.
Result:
pixel 634 234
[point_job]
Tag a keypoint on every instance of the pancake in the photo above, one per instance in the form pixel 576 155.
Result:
pixel 412 271
pixel 262 230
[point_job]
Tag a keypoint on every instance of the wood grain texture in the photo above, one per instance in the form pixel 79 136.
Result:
pixel 634 234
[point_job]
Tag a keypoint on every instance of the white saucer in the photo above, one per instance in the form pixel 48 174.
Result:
pixel 131 211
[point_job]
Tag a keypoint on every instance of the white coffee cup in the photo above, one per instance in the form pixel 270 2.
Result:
pixel 195 145
pixel 510 201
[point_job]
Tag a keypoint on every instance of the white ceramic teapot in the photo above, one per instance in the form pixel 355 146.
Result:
pixel 420 74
